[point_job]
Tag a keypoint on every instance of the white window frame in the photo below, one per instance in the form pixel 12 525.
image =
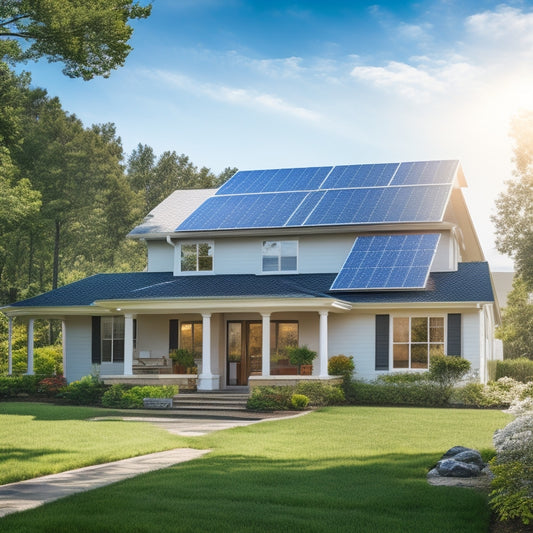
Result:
pixel 410 343
pixel 196 272
pixel 113 339
pixel 280 242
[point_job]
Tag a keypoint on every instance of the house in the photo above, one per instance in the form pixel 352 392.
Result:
pixel 379 262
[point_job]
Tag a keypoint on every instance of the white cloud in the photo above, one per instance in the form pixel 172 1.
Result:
pixel 234 95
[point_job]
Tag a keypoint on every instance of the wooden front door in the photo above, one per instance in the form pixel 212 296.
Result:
pixel 244 351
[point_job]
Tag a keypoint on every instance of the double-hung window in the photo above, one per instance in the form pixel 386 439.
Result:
pixel 191 337
pixel 197 257
pixel 280 256
pixel 112 339
pixel 414 339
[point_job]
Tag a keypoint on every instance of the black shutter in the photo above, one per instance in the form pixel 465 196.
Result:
pixel 454 334
pixel 382 342
pixel 172 335
pixel 96 344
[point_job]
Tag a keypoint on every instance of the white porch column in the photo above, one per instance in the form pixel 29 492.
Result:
pixel 64 343
pixel 10 346
pixel 128 345
pixel 206 380
pixel 323 344
pixel 30 371
pixel 265 370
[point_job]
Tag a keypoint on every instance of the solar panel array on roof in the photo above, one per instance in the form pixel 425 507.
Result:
pixel 323 196
pixel 388 262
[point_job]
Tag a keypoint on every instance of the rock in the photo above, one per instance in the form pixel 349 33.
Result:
pixel 453 468
pixel 471 457
pixel 454 451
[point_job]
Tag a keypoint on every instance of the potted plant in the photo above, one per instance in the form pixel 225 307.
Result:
pixel 300 355
pixel 183 359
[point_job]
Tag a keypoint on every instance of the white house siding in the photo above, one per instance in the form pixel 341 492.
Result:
pixel 160 256
pixel 354 334
pixel 447 254
pixel 77 342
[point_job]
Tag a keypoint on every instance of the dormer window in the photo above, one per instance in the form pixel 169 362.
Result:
pixel 196 257
pixel 280 256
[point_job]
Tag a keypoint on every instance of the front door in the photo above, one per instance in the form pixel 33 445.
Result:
pixel 244 351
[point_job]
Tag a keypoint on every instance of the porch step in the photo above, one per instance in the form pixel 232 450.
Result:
pixel 211 401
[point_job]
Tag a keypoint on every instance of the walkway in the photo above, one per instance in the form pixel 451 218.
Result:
pixel 29 494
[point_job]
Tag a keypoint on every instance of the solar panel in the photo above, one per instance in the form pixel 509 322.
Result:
pixel 268 210
pixel 388 262
pixel 323 196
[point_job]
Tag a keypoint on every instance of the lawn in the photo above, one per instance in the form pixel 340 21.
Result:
pixel 38 439
pixel 339 469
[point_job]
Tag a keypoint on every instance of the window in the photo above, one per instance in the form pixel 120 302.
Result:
pixel 280 256
pixel 282 336
pixel 112 338
pixel 197 257
pixel 414 339
pixel 191 336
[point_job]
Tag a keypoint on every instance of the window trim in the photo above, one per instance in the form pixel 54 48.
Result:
pixel 410 316
pixel 280 271
pixel 194 272
pixel 112 339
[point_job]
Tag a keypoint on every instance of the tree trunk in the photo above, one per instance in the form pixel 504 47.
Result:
pixel 55 271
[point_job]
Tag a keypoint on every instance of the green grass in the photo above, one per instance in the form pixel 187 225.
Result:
pixel 38 439
pixel 339 469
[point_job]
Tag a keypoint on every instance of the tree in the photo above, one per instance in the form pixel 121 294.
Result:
pixel 89 36
pixel 516 330
pixel 514 217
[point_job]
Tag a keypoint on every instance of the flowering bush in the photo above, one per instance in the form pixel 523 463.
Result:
pixel 512 494
pixel 51 386
pixel 499 393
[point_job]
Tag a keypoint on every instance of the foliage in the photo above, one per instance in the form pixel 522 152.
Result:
pixel 519 369
pixel 516 330
pixel 299 401
pixel 121 396
pixel 183 357
pixel 270 398
pixel 512 494
pixel 422 393
pixel 90 37
pixel 13 386
pixel 514 207
pixel 320 393
pixel 87 391
pixel 47 361
pixel 51 386
pixel 300 355
pixel 341 365
pixel 403 377
pixel 447 370
pixel 500 393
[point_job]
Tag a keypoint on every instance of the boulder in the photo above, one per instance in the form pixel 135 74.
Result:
pixel 454 451
pixel 471 457
pixel 453 468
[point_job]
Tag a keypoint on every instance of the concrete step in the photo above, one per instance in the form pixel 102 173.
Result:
pixel 211 401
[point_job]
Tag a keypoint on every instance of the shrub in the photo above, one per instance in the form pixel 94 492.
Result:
pixel 47 360
pixel 13 386
pixel 512 494
pixel 121 396
pixel 519 369
pixel 403 377
pixel 51 386
pixel 270 398
pixel 183 357
pixel 300 355
pixel 87 391
pixel 423 393
pixel 299 401
pixel 320 394
pixel 499 393
pixel 447 370
pixel 341 365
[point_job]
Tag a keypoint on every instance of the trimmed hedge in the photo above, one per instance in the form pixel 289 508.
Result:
pixel 13 386
pixel 519 369
pixel 121 396
pixel 87 391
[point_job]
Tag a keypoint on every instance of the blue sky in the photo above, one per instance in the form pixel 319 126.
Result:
pixel 271 84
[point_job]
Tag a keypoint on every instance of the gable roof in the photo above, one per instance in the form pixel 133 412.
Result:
pixel 470 283
pixel 171 212
pixel 347 195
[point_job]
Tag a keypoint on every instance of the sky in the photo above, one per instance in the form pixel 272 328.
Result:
pixel 272 84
